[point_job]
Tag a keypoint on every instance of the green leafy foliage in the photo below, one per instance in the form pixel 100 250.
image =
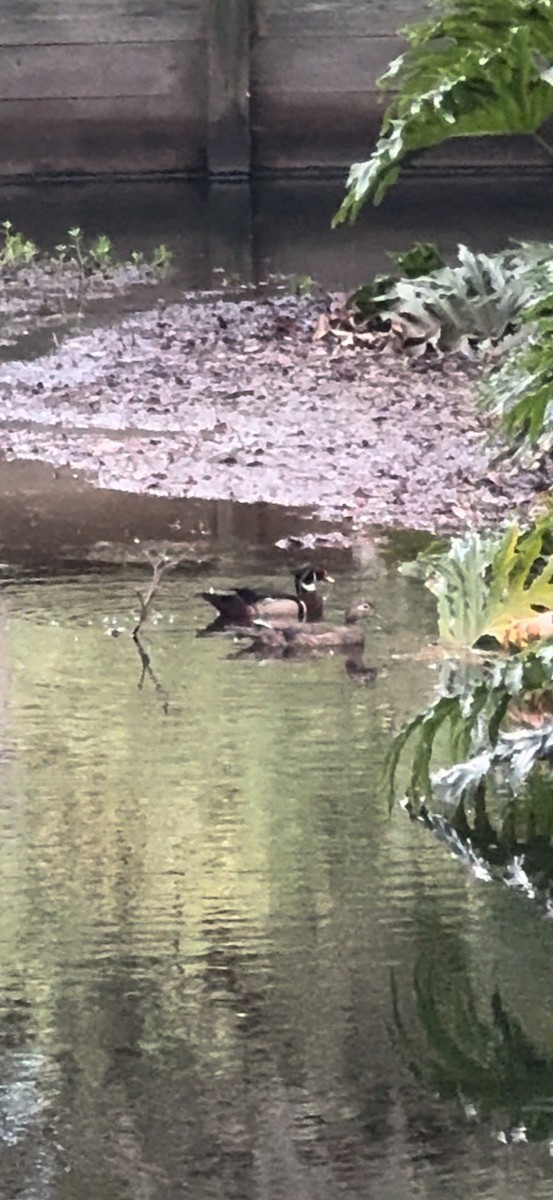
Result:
pixel 516 754
pixel 466 714
pixel 479 300
pixel 486 584
pixel 101 252
pixel 475 303
pixel 161 258
pixel 15 249
pixel 519 395
pixel 376 299
pixel 420 259
pixel 466 722
pixel 484 67
pixel 98 254
pixel 492 715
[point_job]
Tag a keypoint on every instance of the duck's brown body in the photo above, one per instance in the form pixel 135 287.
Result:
pixel 312 636
pixel 244 605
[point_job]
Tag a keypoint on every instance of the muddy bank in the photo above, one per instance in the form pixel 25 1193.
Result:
pixel 227 399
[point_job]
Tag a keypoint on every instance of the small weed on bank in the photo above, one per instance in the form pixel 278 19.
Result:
pixel 15 249
pixel 98 255
pixel 60 285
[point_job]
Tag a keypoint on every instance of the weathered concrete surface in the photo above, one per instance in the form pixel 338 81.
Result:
pixel 228 117
pixel 220 87
pixel 231 400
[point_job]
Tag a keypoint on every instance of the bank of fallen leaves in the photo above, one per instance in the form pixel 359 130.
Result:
pixel 250 400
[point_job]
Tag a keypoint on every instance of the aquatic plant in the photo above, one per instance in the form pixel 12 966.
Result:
pixel 480 68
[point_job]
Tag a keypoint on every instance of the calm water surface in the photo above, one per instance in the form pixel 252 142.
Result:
pixel 243 234
pixel 225 971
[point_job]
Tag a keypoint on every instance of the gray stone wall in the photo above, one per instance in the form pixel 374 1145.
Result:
pixel 315 66
pixel 101 85
pixel 191 86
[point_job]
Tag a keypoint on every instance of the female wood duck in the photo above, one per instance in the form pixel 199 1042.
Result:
pixel 244 605
pixel 288 640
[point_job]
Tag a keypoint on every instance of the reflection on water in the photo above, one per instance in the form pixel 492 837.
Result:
pixel 243 234
pixel 208 923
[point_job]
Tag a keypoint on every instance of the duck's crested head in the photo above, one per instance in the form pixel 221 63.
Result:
pixel 308 577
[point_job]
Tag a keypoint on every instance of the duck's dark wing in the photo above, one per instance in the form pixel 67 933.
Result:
pixel 232 606
pixel 243 603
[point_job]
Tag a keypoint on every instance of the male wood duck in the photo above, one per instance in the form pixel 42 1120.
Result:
pixel 287 640
pixel 244 605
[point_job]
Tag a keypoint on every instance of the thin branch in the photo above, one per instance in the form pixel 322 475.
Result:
pixel 159 569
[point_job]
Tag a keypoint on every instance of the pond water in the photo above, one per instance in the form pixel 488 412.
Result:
pixel 226 971
pixel 244 234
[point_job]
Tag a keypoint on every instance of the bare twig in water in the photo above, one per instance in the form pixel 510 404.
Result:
pixel 148 670
pixel 160 567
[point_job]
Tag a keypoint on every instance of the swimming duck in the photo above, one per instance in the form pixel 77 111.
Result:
pixel 288 640
pixel 243 605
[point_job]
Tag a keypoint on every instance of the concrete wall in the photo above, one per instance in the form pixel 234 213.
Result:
pixel 216 86
pixel 102 85
pixel 314 70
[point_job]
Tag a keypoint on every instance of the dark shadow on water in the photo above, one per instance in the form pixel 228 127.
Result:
pixel 470 1048
pixel 240 234
pixel 52 520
